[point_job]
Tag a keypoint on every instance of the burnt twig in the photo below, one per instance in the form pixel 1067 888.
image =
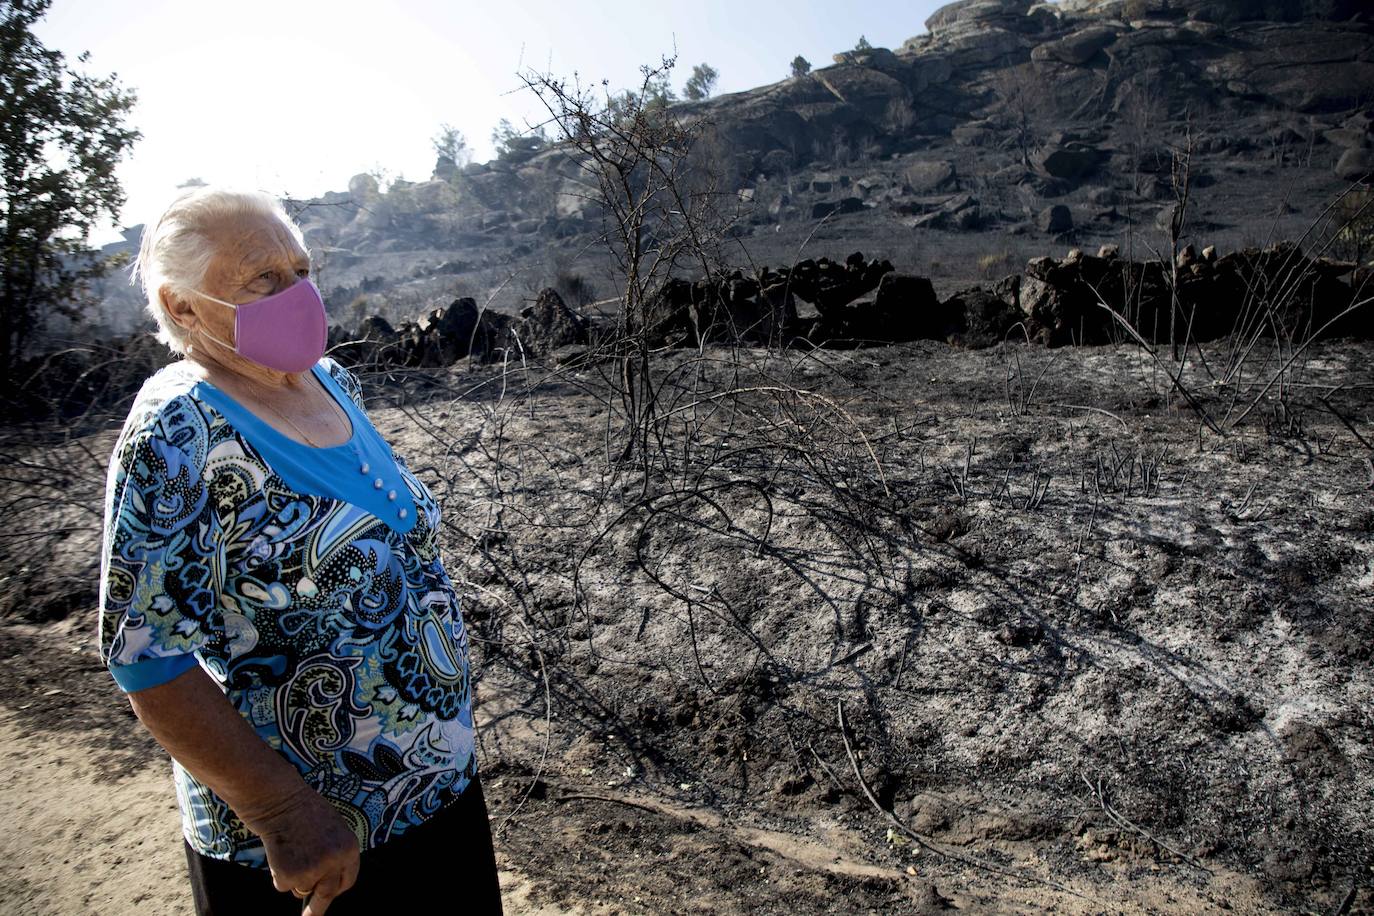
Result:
pixel 922 841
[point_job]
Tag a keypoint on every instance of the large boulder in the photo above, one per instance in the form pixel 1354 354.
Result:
pixel 1230 12
pixel 1071 162
pixel 824 208
pixel 549 324
pixel 575 200
pixel 975 133
pixel 878 58
pixel 1300 295
pixel 730 308
pixel 443 336
pixel 669 312
pixel 1312 66
pixel 1055 219
pixel 429 197
pixel 1346 137
pixel 906 308
pixel 371 343
pixel 959 212
pixel 1076 48
pixel 982 46
pixel 953 220
pixel 445 169
pixel 976 12
pixel 980 317
pixel 363 187
pixel 375 327
pixel 777 313
pixel 1060 313
pixel 842 98
pixel 931 175
pixel 376 216
pixel 1356 164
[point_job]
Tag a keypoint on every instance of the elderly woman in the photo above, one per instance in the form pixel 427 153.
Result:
pixel 272 598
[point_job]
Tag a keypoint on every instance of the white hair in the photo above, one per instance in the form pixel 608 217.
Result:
pixel 176 251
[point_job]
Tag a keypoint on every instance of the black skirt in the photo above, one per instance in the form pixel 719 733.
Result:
pixel 448 857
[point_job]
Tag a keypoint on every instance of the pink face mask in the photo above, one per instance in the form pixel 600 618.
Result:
pixel 286 331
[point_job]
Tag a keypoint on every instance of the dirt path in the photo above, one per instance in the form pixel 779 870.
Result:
pixel 85 840
pixel 82 839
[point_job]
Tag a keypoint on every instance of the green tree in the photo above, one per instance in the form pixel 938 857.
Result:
pixel 800 66
pixel 62 133
pixel 701 82
pixel 517 145
pixel 863 45
pixel 450 144
pixel 652 98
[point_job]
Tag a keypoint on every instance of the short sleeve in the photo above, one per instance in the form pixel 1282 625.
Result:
pixel 349 384
pixel 159 589
pixel 345 379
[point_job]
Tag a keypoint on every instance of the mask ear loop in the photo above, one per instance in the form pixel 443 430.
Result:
pixel 232 349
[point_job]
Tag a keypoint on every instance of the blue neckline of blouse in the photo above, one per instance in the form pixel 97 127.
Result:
pixel 360 447
pixel 245 417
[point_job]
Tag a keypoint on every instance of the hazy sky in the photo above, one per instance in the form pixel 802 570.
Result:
pixel 296 96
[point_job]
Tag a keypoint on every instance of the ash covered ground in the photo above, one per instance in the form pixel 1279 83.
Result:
pixel 1091 654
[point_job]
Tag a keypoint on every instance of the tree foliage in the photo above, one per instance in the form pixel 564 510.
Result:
pixel 62 133
pixel 701 82
pixel 863 45
pixel 512 144
pixel 652 98
pixel 449 143
pixel 800 66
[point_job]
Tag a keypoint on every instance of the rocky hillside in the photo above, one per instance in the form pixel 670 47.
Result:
pixel 1008 129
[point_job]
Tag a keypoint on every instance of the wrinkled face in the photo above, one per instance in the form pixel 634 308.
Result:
pixel 255 256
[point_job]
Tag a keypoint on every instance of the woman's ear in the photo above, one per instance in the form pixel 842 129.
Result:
pixel 178 307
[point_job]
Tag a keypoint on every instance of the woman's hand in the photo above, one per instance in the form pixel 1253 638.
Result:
pixel 311 851
pixel 310 847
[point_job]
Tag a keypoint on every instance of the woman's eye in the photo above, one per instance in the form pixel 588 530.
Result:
pixel 303 272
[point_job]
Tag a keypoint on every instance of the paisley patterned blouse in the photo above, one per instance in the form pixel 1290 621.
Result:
pixel 308 583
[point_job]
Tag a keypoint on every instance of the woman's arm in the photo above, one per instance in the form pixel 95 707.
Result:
pixel 309 845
